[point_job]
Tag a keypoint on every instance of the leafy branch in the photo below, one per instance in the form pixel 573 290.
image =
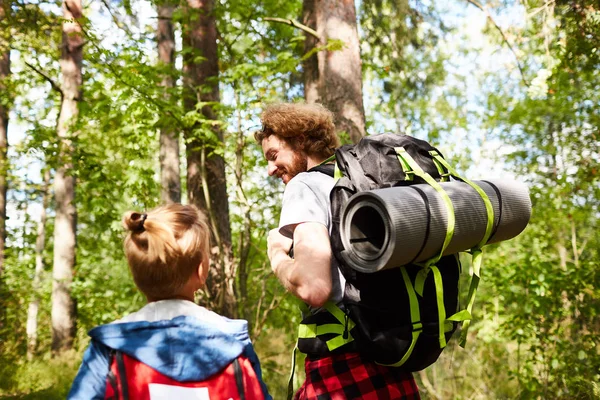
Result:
pixel 504 38
pixel 332 45
pixel 54 85
pixel 295 24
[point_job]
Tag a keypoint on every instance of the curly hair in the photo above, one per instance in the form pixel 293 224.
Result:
pixel 305 127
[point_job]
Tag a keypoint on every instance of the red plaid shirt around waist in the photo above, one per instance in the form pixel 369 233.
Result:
pixel 349 376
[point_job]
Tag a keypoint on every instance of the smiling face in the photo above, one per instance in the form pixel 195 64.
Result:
pixel 283 161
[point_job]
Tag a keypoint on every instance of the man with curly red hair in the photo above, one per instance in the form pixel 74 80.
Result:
pixel 296 138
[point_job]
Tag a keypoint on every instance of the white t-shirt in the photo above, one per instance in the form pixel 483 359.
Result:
pixel 306 199
pixel 169 309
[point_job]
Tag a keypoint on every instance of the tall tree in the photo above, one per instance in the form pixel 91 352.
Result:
pixel 169 139
pixel 4 108
pixel 206 183
pixel 333 76
pixel 63 306
pixel 34 304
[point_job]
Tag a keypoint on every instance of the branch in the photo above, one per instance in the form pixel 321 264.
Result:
pixel 294 24
pixel 260 320
pixel 118 23
pixel 537 10
pixel 504 38
pixel 428 386
pixel 55 86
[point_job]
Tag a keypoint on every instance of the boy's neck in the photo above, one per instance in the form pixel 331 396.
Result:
pixel 176 297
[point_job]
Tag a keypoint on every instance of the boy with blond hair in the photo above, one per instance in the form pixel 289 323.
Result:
pixel 172 348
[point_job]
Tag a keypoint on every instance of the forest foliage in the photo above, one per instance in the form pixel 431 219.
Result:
pixel 505 88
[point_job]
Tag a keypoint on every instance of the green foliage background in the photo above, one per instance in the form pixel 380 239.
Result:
pixel 427 72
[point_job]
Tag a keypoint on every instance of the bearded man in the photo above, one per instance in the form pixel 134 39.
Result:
pixel 295 139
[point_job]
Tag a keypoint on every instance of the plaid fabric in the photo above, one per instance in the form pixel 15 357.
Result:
pixel 349 376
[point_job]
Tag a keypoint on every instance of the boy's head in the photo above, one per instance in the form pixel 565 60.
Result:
pixel 166 248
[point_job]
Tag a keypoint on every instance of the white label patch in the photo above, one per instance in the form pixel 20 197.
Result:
pixel 167 392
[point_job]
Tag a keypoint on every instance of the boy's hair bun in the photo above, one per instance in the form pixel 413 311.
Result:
pixel 134 221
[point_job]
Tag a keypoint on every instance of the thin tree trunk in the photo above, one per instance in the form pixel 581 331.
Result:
pixel 312 89
pixel 334 78
pixel 169 138
pixel 245 239
pixel 63 306
pixel 206 184
pixel 32 311
pixel 4 109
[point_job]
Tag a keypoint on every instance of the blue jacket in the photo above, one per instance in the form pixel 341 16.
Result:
pixel 183 348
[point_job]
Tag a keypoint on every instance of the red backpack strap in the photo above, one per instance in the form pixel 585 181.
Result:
pixel 122 375
pixel 239 378
pixel 251 385
pixel 116 379
pixel 112 387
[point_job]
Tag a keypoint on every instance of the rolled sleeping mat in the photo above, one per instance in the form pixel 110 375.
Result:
pixel 391 227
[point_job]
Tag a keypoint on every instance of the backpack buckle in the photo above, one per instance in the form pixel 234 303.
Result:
pixel 417 326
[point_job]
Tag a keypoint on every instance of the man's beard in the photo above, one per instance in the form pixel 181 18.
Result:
pixel 299 164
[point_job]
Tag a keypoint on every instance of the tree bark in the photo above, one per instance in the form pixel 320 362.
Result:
pixel 32 311
pixel 63 306
pixel 206 183
pixel 312 90
pixel 245 239
pixel 169 138
pixel 334 78
pixel 4 109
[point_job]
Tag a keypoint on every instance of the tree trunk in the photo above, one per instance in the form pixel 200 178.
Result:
pixel 4 108
pixel 63 306
pixel 169 139
pixel 245 238
pixel 206 184
pixel 312 90
pixel 334 78
pixel 40 242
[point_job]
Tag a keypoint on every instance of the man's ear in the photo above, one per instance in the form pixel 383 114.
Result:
pixel 300 140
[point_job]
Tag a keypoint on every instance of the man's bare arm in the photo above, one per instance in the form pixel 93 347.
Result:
pixel 308 274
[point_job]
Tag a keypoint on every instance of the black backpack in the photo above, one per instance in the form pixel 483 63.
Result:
pixel 392 317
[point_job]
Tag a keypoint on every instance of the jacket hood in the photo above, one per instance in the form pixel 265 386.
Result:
pixel 183 348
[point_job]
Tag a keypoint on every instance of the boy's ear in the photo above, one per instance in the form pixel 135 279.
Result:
pixel 202 273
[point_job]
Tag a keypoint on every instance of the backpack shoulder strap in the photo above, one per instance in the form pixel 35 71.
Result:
pixel 122 375
pixel 327 169
pixel 239 378
pixel 111 378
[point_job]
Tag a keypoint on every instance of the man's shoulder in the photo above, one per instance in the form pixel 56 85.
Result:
pixel 312 178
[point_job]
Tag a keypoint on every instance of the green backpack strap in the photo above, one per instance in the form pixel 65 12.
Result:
pixel 476 251
pixel 444 173
pixel 486 200
pixel 290 387
pixel 411 167
pixel 415 316
pixel 337 172
pixel 342 328
pixel 310 331
pixel 304 310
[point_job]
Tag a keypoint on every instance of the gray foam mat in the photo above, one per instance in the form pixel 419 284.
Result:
pixel 387 228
